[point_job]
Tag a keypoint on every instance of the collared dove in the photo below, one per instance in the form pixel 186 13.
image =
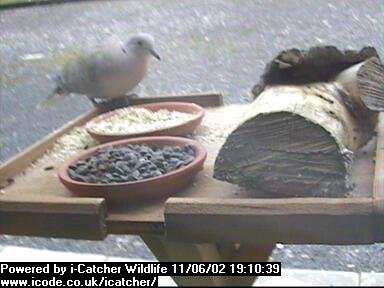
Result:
pixel 107 72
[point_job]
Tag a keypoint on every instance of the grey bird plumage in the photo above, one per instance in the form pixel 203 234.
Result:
pixel 107 72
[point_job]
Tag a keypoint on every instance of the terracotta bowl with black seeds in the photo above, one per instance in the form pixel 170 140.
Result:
pixel 182 129
pixel 140 190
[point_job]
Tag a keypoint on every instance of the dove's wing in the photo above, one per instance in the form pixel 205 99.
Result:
pixel 123 73
pixel 106 72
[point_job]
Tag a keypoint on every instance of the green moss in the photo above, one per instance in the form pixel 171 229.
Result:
pixel 9 2
pixel 4 2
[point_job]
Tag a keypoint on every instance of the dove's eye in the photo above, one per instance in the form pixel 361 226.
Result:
pixel 140 43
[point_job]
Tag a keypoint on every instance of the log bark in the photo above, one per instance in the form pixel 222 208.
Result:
pixel 317 64
pixel 312 111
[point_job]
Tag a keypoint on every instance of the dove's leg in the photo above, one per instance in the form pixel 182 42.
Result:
pixel 93 100
pixel 111 104
pixel 100 103
pixel 118 102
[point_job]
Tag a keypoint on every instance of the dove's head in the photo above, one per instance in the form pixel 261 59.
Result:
pixel 143 43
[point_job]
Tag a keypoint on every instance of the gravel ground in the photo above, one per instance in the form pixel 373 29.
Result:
pixel 205 45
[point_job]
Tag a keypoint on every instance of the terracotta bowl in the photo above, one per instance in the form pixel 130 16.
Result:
pixel 179 130
pixel 141 190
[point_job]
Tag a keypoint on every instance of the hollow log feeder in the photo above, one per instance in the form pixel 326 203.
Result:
pixel 312 110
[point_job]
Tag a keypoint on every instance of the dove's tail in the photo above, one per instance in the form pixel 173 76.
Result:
pixel 53 98
pixel 56 94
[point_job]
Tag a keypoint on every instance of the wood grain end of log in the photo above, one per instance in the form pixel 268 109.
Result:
pixel 370 82
pixel 284 154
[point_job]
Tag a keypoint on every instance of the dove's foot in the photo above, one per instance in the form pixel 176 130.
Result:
pixel 114 103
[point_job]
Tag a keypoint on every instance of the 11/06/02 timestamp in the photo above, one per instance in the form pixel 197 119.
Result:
pixel 225 268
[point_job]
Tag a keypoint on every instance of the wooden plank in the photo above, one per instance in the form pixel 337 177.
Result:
pixel 46 203
pixel 79 218
pixel 22 160
pixel 378 186
pixel 38 183
pixel 265 221
pixel 149 217
pixel 206 99
pixel 125 219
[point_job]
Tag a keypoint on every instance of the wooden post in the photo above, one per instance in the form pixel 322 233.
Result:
pixel 178 252
pixel 166 250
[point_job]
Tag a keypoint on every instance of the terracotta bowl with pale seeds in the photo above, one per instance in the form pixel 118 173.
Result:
pixel 180 129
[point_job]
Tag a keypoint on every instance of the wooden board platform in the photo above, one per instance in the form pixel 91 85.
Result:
pixel 35 202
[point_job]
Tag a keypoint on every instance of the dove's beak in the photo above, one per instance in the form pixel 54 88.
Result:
pixel 154 54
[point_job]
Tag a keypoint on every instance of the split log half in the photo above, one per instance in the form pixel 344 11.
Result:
pixel 292 145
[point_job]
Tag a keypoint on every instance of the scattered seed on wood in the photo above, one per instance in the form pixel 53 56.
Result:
pixel 130 163
pixel 6 183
